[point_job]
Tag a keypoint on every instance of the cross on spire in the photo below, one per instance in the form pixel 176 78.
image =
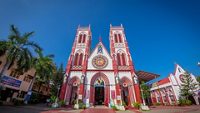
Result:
pixel 100 39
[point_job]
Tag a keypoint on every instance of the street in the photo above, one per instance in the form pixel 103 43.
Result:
pixel 24 109
pixel 42 108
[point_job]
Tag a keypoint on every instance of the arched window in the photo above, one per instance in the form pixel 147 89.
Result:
pixel 80 59
pixel 120 38
pixel 84 36
pixel 80 38
pixel 123 59
pixel 116 40
pixel 76 59
pixel 118 59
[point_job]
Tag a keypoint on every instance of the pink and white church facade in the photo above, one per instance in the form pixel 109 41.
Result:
pixel 99 77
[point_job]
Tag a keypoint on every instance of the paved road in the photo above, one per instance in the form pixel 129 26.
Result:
pixel 174 109
pixel 41 108
pixel 23 109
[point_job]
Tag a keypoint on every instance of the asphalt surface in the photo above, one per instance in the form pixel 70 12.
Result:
pixel 24 109
pixel 42 108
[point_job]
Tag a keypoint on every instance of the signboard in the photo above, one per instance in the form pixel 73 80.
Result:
pixel 11 81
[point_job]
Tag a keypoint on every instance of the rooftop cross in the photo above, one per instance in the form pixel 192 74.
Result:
pixel 100 39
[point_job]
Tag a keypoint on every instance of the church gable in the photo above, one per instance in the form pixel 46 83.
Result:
pixel 100 58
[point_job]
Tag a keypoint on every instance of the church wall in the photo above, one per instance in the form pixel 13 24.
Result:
pixel 104 53
pixel 125 74
pixel 76 74
pixel 173 79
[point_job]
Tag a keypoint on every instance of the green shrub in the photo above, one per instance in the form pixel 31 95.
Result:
pixel 62 103
pixel 188 102
pixel 81 104
pixel 136 105
pixel 124 104
pixel 53 98
pixel 157 104
pixel 114 107
pixel 183 102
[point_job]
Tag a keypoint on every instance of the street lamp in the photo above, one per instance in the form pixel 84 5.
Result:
pixel 198 63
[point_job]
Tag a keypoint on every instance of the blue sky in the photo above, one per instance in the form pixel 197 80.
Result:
pixel 159 32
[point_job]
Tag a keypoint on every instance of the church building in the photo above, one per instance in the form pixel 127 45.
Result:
pixel 97 76
pixel 167 91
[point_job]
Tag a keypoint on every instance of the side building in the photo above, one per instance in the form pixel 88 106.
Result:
pixel 167 90
pixel 15 86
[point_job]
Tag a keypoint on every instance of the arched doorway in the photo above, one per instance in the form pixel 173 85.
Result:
pixel 104 89
pixel 99 91
pixel 127 91
pixel 72 91
pixel 74 95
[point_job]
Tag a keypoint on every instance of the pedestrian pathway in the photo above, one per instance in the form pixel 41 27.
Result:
pixel 96 109
pixel 99 109
pixel 174 109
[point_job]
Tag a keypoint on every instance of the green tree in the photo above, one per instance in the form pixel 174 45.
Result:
pixel 145 90
pixel 44 67
pixel 18 49
pixel 188 86
pixel 57 80
pixel 198 79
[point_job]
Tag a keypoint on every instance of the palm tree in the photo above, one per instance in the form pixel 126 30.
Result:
pixel 3 47
pixel 44 67
pixel 18 49
pixel 57 80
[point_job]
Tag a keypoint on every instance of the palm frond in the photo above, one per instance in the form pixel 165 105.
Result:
pixel 14 33
pixel 50 56
pixel 33 45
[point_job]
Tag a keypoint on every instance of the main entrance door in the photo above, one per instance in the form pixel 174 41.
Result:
pixel 99 95
pixel 99 92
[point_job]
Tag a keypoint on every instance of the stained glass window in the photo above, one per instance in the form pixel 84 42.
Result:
pixel 99 82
